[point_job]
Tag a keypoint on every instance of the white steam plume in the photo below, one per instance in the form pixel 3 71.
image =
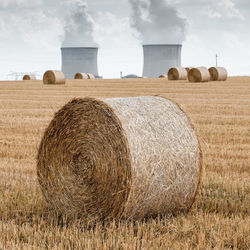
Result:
pixel 79 27
pixel 157 22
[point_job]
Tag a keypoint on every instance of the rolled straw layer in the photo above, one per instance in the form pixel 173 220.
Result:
pixel 218 74
pixel 119 158
pixel 54 77
pixel 177 73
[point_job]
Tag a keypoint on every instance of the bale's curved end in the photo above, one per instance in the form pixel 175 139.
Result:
pixel 129 158
pixel 54 77
pixel 83 163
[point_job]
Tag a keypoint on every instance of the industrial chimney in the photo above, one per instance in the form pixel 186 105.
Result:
pixel 79 59
pixel 159 58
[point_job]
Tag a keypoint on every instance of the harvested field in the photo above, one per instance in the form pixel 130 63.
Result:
pixel 220 112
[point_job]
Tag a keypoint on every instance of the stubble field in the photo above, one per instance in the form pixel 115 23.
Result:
pixel 220 112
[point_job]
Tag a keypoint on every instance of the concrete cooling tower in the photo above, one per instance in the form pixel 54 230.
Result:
pixel 159 58
pixel 79 59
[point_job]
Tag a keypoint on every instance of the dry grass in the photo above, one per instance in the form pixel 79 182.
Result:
pixel 220 216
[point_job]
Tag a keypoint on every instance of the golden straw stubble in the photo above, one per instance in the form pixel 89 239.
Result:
pixel 119 158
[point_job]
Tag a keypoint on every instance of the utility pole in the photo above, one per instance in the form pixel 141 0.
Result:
pixel 216 59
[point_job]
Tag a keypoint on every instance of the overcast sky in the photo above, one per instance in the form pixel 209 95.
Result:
pixel 32 32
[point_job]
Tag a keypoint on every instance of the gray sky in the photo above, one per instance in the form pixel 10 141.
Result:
pixel 32 31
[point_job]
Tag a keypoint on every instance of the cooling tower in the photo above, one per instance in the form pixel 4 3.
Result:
pixel 159 58
pixel 79 59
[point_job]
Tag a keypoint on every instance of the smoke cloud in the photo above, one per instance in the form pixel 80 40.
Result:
pixel 157 22
pixel 79 28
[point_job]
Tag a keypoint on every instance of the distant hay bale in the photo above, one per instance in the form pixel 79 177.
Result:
pixel 177 73
pixel 81 76
pixel 91 76
pixel 200 74
pixel 218 74
pixel 188 69
pixel 130 76
pixel 118 158
pixel 54 77
pixel 29 77
pixel 163 76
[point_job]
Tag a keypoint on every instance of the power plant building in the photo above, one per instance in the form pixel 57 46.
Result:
pixel 159 58
pixel 79 59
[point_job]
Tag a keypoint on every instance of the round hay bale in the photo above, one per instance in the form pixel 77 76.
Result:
pixel 188 69
pixel 54 77
pixel 163 76
pixel 218 74
pixel 200 74
pixel 91 76
pixel 127 158
pixel 81 76
pixel 177 73
pixel 29 77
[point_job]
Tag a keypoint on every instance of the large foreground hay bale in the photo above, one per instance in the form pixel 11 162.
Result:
pixel 54 77
pixel 29 77
pixel 119 158
pixel 81 76
pixel 200 74
pixel 91 76
pixel 163 76
pixel 218 74
pixel 177 73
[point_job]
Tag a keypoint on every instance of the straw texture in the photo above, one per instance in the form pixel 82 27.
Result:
pixel 218 74
pixel 177 73
pixel 81 76
pixel 90 76
pixel 54 77
pixel 118 158
pixel 200 74
pixel 29 77
pixel 163 76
